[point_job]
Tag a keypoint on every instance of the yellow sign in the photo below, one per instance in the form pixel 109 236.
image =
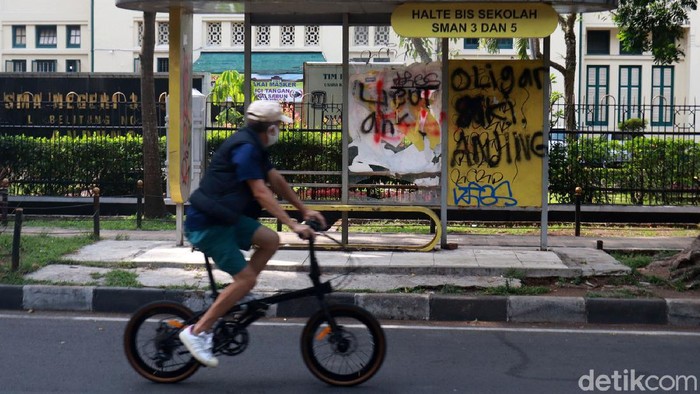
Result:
pixel 475 20
pixel 180 105
pixel 495 125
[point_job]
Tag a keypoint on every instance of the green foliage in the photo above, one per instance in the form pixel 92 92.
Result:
pixel 228 90
pixel 654 25
pixel 632 125
pixel 652 164
pixel 70 166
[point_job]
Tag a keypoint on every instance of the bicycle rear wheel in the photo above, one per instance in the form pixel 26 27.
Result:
pixel 349 356
pixel 152 346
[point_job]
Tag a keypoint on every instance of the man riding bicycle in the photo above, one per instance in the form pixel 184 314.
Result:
pixel 223 215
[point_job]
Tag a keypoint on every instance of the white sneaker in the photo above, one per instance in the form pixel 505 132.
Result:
pixel 200 346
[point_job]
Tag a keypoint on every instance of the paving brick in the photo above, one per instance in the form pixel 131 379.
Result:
pixel 626 311
pixel 546 309
pixel 396 306
pixel 459 308
pixel 11 297
pixel 57 298
pixel 128 300
pixel 683 312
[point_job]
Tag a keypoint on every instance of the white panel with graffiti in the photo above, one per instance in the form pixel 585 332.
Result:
pixel 394 123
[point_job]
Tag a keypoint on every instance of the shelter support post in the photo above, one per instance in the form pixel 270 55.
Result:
pixel 545 142
pixel 443 143
pixel 344 198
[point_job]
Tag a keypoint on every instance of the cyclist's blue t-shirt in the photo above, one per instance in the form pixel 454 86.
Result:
pixel 247 160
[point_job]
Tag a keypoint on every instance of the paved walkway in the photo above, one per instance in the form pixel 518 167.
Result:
pixel 479 261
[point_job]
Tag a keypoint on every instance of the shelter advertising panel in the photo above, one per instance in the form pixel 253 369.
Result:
pixel 495 142
pixel 394 121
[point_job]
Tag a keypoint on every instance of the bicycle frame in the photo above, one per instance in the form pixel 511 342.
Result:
pixel 255 309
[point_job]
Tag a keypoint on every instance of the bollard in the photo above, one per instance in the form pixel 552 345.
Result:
pixel 599 244
pixel 19 213
pixel 139 203
pixel 96 215
pixel 3 200
pixel 577 214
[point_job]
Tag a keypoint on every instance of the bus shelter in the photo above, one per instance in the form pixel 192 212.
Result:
pixel 480 127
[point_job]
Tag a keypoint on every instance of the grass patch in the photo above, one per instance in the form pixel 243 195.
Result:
pixel 106 223
pixel 36 251
pixel 442 289
pixel 621 293
pixel 121 278
pixel 509 290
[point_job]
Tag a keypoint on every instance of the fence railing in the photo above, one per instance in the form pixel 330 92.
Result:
pixel 654 165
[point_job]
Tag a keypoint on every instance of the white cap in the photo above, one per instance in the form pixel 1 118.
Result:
pixel 266 111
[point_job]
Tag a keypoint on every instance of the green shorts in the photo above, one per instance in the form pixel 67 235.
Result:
pixel 224 243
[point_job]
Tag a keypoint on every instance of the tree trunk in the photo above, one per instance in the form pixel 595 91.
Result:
pixel 419 45
pixel 154 204
pixel 568 24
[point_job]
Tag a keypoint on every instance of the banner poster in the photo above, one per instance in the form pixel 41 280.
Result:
pixel 394 124
pixel 278 90
pixel 495 124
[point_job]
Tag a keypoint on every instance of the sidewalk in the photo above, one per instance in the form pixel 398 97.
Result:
pixel 365 277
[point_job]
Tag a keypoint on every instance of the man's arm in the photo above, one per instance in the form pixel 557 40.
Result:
pixel 267 200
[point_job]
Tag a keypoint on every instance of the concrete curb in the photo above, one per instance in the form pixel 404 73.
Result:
pixel 432 307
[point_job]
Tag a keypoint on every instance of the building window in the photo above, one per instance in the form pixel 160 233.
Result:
pixel 312 35
pixel 137 65
pixel 214 34
pixel 19 36
pixel 287 36
pixel 381 35
pixel 18 66
pixel 72 36
pixel 262 36
pixel 471 43
pixel 139 33
pixel 623 51
pixel 662 95
pixel 163 33
pixel 73 66
pixel 361 36
pixel 504 43
pixel 46 37
pixel 162 65
pixel 44 66
pixel 596 95
pixel 598 42
pixel 630 92
pixel 237 34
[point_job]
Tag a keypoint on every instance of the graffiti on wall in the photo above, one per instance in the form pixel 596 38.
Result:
pixel 495 126
pixel 394 121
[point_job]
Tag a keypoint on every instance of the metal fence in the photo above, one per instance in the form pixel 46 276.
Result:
pixel 625 154
pixel 65 152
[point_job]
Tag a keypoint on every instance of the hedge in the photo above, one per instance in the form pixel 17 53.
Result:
pixel 641 170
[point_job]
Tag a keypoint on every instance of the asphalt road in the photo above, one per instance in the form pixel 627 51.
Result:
pixel 82 353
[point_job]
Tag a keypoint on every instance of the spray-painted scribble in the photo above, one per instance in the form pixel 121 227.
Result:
pixel 395 120
pixel 496 140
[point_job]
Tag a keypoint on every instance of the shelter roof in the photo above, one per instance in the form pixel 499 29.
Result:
pixel 330 12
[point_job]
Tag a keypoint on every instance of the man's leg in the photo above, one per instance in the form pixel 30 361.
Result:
pixel 267 242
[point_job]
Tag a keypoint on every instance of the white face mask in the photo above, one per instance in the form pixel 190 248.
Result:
pixel 273 134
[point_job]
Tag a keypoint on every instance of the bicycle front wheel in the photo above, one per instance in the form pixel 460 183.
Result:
pixel 348 356
pixel 152 345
